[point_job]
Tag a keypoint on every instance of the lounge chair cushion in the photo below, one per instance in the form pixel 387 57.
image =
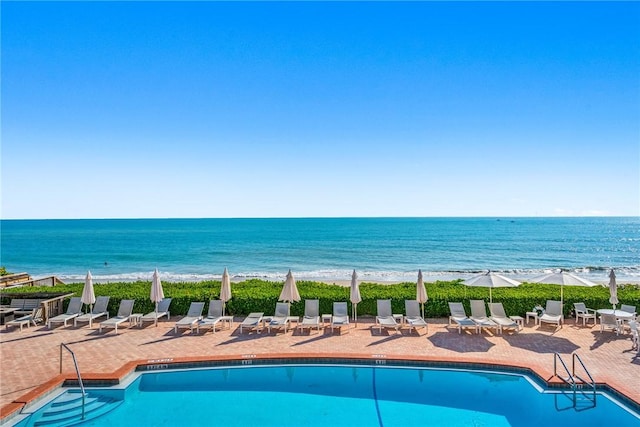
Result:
pixel 340 315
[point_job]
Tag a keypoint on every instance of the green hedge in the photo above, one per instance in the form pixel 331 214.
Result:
pixel 260 295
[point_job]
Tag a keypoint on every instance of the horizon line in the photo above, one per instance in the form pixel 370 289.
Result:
pixel 328 217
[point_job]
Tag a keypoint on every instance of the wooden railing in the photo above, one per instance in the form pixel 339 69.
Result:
pixel 45 281
pixel 52 305
pixel 14 279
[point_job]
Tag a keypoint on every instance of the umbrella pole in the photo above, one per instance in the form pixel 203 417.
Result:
pixel 355 313
pixel 490 297
pixel 156 319
pixel 224 304
pixel 562 301
pixel 423 310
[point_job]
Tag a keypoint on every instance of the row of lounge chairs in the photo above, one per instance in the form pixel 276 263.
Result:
pixel 281 320
pixel 99 309
pixel 386 319
pixel 497 320
pixel 254 321
pixel 195 320
pixel 340 317
pixel 257 321
pixel 553 314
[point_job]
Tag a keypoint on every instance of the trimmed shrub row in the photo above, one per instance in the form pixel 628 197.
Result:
pixel 261 296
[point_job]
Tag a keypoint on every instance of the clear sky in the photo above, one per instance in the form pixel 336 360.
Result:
pixel 298 109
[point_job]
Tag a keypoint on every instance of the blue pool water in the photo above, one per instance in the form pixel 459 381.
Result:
pixel 339 395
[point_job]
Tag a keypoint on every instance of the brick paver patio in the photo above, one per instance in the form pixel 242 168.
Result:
pixel 31 358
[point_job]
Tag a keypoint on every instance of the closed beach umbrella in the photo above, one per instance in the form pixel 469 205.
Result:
pixel 563 279
pixel 225 289
pixel 157 293
pixel 88 294
pixel 289 290
pixel 491 280
pixel 613 289
pixel 355 295
pixel 421 291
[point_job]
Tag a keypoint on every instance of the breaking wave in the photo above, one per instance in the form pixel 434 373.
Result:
pixel 595 274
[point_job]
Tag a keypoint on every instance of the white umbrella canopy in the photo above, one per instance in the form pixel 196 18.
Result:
pixel 421 291
pixel 491 280
pixel 157 293
pixel 563 279
pixel 355 295
pixel 613 289
pixel 225 289
pixel 88 294
pixel 289 290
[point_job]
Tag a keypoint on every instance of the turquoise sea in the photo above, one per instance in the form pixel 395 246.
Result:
pixel 328 249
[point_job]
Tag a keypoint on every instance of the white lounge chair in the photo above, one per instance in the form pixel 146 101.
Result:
pixel 384 316
pixel 124 314
pixel 553 313
pixel 34 317
pixel 629 309
pixel 479 315
pixel 459 316
pixel 635 336
pixel 281 317
pixel 163 310
pixel 73 310
pixel 311 318
pixel 340 315
pixel 252 322
pixel 584 313
pixel 413 318
pixel 191 319
pixel 609 321
pixel 499 316
pixel 99 309
pixel 27 306
pixel 214 316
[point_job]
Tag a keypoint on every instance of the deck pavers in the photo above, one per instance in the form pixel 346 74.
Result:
pixel 31 358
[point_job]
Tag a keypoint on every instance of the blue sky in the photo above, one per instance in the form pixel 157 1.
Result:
pixel 298 109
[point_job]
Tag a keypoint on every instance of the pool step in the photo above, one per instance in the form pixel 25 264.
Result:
pixel 68 397
pixel 66 410
pixel 583 401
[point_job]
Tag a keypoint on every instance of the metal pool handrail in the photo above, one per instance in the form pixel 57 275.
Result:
pixel 573 369
pixel 570 380
pixel 75 364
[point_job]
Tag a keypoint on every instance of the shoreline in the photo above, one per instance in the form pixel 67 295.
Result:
pixel 337 282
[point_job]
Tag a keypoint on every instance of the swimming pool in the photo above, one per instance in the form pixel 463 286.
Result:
pixel 344 395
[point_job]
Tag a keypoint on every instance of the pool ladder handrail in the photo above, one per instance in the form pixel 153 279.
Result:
pixel 75 364
pixel 575 357
pixel 570 379
pixel 572 376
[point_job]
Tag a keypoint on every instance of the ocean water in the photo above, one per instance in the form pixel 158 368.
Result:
pixel 328 249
